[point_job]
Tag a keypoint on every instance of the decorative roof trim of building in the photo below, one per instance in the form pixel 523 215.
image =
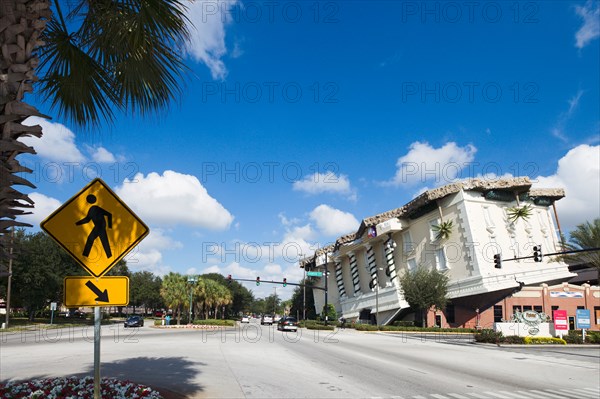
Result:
pixel 311 260
pixel 517 184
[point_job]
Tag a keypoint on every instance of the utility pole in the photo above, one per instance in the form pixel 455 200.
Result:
pixel 326 285
pixel 10 261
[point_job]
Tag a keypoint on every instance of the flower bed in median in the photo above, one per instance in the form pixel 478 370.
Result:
pixel 76 388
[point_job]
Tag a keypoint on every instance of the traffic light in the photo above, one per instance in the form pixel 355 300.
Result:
pixel 258 281
pixel 229 278
pixel 537 253
pixel 284 281
pixel 497 261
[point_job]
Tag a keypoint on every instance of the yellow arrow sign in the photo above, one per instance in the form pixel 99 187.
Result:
pixel 89 291
pixel 96 228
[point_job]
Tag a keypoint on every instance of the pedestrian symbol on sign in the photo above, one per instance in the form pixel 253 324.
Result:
pixel 98 217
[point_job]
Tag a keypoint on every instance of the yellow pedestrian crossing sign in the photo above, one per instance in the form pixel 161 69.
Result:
pixel 96 228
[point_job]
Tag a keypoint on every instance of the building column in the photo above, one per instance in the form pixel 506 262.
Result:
pixel 339 279
pixel 354 273
pixel 372 262
pixel 390 270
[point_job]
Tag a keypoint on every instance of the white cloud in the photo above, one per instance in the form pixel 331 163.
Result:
pixel 558 129
pixel 425 163
pixel 147 255
pixel 578 173
pixel 102 155
pixel 329 182
pixel 44 206
pixel 590 29
pixel 174 198
pixel 207 33
pixel 287 222
pixel 57 142
pixel 333 222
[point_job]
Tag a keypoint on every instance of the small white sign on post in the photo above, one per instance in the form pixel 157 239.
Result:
pixel 52 305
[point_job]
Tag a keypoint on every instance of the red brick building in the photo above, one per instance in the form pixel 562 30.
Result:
pixel 484 310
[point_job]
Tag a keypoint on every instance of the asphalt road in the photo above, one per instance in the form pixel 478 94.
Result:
pixel 254 361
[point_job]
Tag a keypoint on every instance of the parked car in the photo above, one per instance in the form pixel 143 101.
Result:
pixel 287 324
pixel 134 321
pixel 266 319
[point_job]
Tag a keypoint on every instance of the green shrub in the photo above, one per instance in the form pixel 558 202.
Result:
pixel 311 325
pixel 544 340
pixel 215 322
pixel 488 336
pixel 573 337
pixel 592 337
pixel 365 327
pixel 513 339
pixel 404 323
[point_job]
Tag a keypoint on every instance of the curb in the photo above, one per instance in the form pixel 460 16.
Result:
pixel 192 326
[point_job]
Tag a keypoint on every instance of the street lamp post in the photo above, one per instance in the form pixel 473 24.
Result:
pixel 192 281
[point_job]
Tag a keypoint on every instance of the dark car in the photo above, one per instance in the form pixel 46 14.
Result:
pixel 287 323
pixel 134 321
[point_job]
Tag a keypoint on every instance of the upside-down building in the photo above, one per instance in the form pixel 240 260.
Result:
pixel 457 228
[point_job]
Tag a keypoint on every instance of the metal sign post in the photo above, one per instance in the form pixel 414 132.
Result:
pixel 97 331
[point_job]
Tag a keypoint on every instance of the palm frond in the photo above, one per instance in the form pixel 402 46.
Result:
pixel 443 230
pixel 74 83
pixel 139 42
pixel 516 213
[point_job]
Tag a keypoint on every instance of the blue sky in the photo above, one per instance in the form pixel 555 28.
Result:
pixel 300 118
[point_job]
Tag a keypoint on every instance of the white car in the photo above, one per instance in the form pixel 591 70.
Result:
pixel 266 319
pixel 245 319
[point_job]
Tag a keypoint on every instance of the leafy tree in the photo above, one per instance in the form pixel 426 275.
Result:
pixel 144 290
pixel 241 297
pixel 297 306
pixel 258 306
pixel 99 58
pixel 272 304
pixel 39 268
pixel 329 312
pixel 586 235
pixel 424 288
pixel 175 292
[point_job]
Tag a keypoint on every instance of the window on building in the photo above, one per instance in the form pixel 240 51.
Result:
pixel 450 316
pixel 497 313
pixel 527 307
pixel 597 312
pixel 489 222
pixel 580 307
pixel 407 242
pixel 517 308
pixel 432 232
pixel 554 308
pixel 411 264
pixel 538 309
pixel 440 260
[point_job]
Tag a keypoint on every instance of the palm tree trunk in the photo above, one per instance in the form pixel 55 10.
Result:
pixel 21 26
